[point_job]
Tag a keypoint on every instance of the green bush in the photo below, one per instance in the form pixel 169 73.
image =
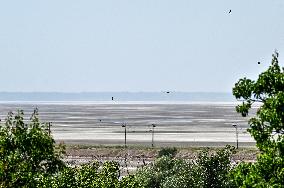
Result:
pixel 89 176
pixel 267 171
pixel 169 152
pixel 215 168
pixel 209 170
pixel 26 151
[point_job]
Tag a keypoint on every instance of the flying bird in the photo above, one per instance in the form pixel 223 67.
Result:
pixel 230 11
pixel 258 63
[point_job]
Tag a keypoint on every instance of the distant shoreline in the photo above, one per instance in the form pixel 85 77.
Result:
pixel 117 102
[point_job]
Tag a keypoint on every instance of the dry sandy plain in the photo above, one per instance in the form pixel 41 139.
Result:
pixel 177 124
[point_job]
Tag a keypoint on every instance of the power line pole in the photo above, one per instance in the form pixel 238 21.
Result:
pixel 124 125
pixel 237 134
pixel 153 130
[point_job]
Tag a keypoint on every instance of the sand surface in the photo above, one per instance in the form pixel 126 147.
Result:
pixel 204 124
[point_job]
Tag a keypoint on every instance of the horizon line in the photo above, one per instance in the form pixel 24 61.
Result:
pixel 78 92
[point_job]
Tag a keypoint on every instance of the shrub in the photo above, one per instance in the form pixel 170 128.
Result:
pixel 169 152
pixel 209 170
pixel 214 168
pixel 27 151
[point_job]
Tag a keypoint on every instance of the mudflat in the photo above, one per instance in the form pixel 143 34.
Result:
pixel 185 125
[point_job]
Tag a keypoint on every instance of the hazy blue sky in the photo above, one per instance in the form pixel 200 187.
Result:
pixel 146 45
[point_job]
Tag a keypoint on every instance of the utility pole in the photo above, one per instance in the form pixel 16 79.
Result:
pixel 153 128
pixel 237 134
pixel 124 125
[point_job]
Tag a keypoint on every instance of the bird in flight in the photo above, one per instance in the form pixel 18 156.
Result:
pixel 258 63
pixel 230 11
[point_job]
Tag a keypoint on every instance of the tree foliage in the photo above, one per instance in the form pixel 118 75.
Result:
pixel 88 176
pixel 168 151
pixel 26 150
pixel 214 168
pixel 267 171
pixel 267 127
pixel 30 158
pixel 209 170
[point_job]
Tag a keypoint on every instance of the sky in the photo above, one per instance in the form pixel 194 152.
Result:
pixel 131 45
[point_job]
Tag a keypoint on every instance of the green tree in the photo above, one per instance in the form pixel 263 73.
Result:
pixel 214 168
pixel 164 172
pixel 26 151
pixel 267 127
pixel 209 170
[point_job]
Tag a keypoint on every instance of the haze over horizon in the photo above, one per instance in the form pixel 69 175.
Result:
pixel 129 45
pixel 117 97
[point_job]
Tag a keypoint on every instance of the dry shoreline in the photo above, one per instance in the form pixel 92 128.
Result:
pixel 179 144
pixel 139 155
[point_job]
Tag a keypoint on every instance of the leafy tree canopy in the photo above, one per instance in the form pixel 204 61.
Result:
pixel 209 170
pixel 26 150
pixel 267 127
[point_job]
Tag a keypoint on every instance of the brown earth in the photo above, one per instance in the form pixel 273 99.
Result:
pixel 83 154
